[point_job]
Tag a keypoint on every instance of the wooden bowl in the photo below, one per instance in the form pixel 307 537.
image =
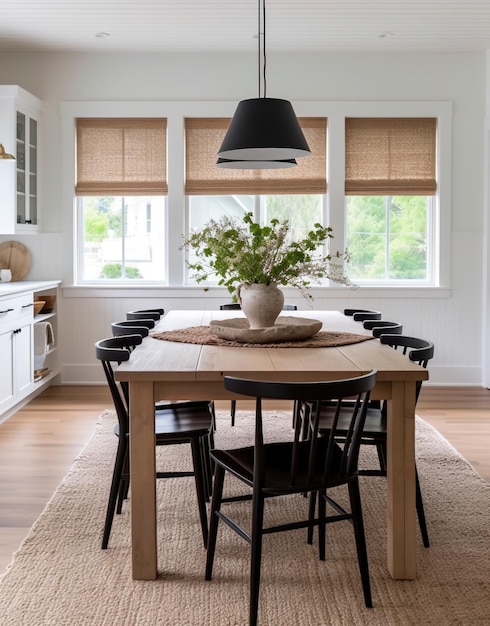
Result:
pixel 38 305
pixel 50 302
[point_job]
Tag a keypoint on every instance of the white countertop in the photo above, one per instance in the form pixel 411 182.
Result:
pixel 20 286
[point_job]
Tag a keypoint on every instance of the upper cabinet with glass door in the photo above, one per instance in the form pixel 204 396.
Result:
pixel 19 133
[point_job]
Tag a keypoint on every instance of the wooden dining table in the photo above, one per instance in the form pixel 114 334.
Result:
pixel 173 370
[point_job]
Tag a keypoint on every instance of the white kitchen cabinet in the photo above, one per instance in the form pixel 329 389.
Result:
pixel 19 378
pixel 16 316
pixel 19 133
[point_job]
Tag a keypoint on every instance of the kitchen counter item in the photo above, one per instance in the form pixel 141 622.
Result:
pixel 38 306
pixel 16 257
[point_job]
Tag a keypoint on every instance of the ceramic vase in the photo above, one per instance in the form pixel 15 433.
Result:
pixel 260 303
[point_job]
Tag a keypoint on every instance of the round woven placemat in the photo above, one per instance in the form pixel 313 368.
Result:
pixel 205 336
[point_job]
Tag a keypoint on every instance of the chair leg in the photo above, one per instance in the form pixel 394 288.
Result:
pixel 420 511
pixel 233 412
pixel 113 494
pixel 219 477
pixel 207 467
pixel 381 449
pixel 256 557
pixel 123 483
pixel 311 515
pixel 199 477
pixel 322 527
pixel 355 503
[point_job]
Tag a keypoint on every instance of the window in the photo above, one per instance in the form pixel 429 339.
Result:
pixel 128 229
pixel 118 241
pixel 294 194
pixel 388 237
pixel 121 199
pixel 390 186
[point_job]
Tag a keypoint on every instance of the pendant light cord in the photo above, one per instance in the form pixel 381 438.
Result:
pixel 262 61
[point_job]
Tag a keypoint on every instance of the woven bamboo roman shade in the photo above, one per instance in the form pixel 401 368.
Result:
pixel 387 156
pixel 203 137
pixel 121 156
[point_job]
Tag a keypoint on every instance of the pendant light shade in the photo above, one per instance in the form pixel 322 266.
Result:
pixel 264 129
pixel 234 164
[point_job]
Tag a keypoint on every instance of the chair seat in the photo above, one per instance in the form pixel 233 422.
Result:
pixel 182 421
pixel 240 462
pixel 374 426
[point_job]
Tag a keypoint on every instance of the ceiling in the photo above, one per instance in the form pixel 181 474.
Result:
pixel 231 25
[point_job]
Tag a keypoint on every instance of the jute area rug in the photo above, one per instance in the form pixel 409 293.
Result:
pixel 60 576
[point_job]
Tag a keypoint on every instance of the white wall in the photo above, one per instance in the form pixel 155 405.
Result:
pixel 451 318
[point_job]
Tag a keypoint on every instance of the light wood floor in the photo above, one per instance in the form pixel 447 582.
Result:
pixel 39 443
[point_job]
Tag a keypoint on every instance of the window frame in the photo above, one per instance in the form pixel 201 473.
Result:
pixel 334 201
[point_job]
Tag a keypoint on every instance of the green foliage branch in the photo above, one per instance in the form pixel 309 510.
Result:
pixel 243 251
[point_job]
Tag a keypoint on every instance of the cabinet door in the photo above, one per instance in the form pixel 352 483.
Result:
pixel 22 358
pixel 26 147
pixel 7 370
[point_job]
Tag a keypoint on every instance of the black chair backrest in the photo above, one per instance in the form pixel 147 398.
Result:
pixel 234 306
pixel 351 312
pixel 393 329
pixel 128 327
pixel 318 454
pixel 418 350
pixel 150 314
pixel 380 327
pixel 116 350
pixel 361 316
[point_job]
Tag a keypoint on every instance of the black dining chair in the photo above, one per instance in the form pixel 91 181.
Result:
pixel 235 306
pixel 360 315
pixel 380 327
pixel 295 466
pixel 130 327
pixel 375 428
pixel 179 423
pixel 152 314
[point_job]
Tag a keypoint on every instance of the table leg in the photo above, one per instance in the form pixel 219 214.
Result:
pixel 401 524
pixel 143 483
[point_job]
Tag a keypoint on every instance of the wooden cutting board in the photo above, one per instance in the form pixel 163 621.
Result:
pixel 15 257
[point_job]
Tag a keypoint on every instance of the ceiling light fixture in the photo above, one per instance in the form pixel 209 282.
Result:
pixel 264 133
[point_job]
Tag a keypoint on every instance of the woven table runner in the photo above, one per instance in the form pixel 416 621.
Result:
pixel 205 336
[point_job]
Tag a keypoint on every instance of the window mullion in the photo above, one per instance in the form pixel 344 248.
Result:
pixel 388 202
pixel 123 237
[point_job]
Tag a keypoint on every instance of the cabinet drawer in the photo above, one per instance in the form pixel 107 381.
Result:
pixel 16 309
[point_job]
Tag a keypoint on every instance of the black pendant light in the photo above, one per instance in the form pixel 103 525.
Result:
pixel 264 132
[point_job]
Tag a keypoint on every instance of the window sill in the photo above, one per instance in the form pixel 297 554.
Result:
pixel 198 292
